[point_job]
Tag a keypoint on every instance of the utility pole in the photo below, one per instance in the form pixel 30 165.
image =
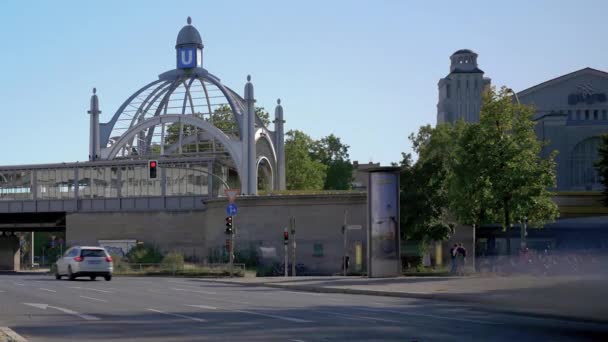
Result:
pixel 344 230
pixel 286 243
pixel 293 238
pixel 523 233
pixel 232 235
pixel 32 251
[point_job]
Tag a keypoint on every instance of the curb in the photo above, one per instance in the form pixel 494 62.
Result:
pixel 11 334
pixel 477 304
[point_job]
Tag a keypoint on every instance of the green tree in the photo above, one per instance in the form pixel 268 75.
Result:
pixel 331 152
pixel 302 171
pixel 424 185
pixel 498 174
pixel 601 165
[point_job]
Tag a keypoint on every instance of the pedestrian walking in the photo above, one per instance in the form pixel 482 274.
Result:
pixel 461 255
pixel 453 256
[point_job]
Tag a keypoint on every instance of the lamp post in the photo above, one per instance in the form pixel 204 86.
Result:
pixel 523 233
pixel 514 95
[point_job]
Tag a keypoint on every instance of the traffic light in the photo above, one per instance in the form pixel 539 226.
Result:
pixel 229 225
pixel 286 236
pixel 153 169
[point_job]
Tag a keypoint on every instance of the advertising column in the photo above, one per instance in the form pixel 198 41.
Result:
pixel 384 256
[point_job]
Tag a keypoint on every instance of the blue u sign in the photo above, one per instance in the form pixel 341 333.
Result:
pixel 186 57
pixel 231 209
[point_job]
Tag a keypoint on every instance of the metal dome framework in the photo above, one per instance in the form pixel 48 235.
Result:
pixel 188 112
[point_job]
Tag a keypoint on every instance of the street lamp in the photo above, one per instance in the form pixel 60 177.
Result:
pixel 523 233
pixel 509 90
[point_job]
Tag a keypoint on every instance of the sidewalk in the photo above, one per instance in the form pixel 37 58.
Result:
pixel 570 297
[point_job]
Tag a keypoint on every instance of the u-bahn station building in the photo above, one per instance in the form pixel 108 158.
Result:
pixel 206 138
pixel 571 115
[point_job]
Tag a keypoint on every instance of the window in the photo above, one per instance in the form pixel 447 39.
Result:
pixel 317 250
pixel 94 253
pixel 447 91
pixel 587 114
pixel 595 115
pixel 604 115
pixel 570 115
pixel 578 115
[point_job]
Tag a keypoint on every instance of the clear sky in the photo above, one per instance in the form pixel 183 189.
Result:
pixel 366 71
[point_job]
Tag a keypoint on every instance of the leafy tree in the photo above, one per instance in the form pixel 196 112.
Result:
pixel 331 152
pixel 303 173
pixel 499 176
pixel 601 166
pixel 424 185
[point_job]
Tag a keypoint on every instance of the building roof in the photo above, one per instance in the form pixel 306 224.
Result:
pixel 462 71
pixel 562 78
pixel 462 52
pixel 189 35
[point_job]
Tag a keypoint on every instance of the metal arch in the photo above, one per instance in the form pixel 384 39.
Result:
pixel 188 96
pixel 209 110
pixel 257 167
pixel 237 114
pixel 164 103
pixel 258 135
pixel 112 121
pixel 147 103
pixel 215 132
pixel 141 114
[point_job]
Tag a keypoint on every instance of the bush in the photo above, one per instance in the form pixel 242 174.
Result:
pixel 173 261
pixel 119 263
pixel 143 254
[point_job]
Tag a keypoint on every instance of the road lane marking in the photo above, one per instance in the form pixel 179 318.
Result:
pixel 19 284
pixel 97 299
pixel 1 291
pixel 203 306
pixel 195 291
pixel 64 310
pixel 47 290
pixel 89 288
pixel 428 316
pixel 365 318
pixel 284 318
pixel 178 315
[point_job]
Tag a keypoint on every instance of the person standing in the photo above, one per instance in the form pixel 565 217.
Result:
pixel 462 258
pixel 453 256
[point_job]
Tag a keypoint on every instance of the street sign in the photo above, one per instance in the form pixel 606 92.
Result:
pixel 231 209
pixel 231 194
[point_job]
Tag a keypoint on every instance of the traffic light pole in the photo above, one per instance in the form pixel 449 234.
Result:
pixel 286 243
pixel 232 247
pixel 293 237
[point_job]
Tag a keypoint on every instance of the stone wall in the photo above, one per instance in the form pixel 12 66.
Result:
pixel 9 253
pixel 259 223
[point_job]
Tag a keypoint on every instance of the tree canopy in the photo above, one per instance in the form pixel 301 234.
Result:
pixel 331 152
pixel 601 166
pixel 302 171
pixel 489 172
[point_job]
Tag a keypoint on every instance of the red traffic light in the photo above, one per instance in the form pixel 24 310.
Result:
pixel 152 169
pixel 229 221
pixel 286 235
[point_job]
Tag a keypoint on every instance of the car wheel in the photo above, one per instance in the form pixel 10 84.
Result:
pixel 108 277
pixel 70 274
pixel 93 277
pixel 57 275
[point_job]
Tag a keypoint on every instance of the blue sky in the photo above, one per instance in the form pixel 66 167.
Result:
pixel 366 71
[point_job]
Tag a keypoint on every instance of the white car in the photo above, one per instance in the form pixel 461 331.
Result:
pixel 85 261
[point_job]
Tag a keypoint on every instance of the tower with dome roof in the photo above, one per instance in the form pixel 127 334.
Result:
pixel 461 90
pixel 187 113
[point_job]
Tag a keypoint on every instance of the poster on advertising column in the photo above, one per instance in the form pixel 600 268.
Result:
pixel 383 222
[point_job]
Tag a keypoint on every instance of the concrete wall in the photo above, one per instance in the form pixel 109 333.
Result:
pixel 9 253
pixel 259 223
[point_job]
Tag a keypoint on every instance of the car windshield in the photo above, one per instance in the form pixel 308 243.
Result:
pixel 98 253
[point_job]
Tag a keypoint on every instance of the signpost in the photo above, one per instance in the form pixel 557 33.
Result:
pixel 231 210
pixel 292 223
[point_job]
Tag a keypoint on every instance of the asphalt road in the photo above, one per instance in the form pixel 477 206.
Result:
pixel 40 308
